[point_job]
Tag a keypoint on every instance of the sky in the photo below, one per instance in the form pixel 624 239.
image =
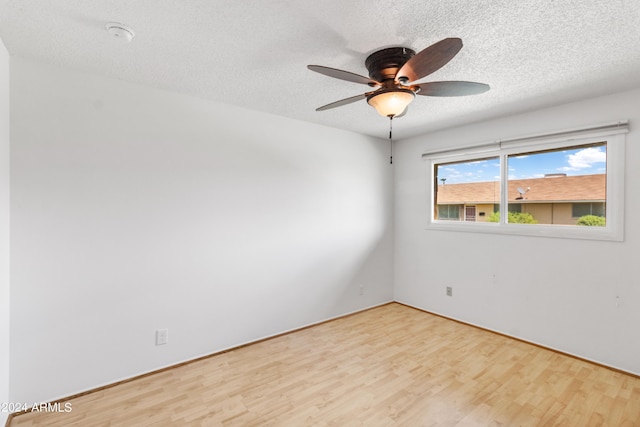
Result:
pixel 578 161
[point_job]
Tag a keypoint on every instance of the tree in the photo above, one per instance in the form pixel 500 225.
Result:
pixel 592 221
pixel 514 218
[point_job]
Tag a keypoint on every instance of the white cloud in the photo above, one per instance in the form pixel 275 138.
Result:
pixel 474 171
pixel 584 159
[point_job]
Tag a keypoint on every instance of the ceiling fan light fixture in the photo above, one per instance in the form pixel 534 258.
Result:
pixel 391 103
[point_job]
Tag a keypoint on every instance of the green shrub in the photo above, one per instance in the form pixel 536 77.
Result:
pixel 592 221
pixel 514 218
pixel 522 218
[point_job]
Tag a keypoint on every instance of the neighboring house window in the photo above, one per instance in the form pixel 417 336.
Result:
pixel 534 186
pixel 513 207
pixel 449 212
pixel 581 209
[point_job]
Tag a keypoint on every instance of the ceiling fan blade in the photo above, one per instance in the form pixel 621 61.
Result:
pixel 429 60
pixel 342 102
pixel 452 88
pixel 343 75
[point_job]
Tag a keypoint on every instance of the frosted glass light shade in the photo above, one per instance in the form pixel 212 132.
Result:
pixel 391 103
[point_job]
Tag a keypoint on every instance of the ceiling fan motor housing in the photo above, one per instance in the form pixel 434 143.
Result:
pixel 384 64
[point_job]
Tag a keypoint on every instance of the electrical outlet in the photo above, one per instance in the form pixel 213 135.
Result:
pixel 361 289
pixel 162 336
pixel 449 291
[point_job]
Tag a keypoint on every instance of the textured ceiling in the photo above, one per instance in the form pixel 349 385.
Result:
pixel 254 53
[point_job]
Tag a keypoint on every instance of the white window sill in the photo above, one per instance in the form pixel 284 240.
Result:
pixel 536 230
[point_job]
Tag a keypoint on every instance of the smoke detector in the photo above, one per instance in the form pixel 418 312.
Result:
pixel 120 32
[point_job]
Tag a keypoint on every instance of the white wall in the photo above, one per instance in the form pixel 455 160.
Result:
pixel 4 228
pixel 561 293
pixel 135 209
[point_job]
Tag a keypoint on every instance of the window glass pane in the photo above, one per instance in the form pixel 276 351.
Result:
pixel 598 209
pixel 515 207
pixel 449 212
pixel 558 186
pixel 582 209
pixel 472 186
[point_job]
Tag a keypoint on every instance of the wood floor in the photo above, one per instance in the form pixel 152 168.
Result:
pixel 388 366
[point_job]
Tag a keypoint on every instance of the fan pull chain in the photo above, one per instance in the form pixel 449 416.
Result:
pixel 390 140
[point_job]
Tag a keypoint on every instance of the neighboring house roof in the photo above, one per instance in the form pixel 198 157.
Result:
pixel 580 188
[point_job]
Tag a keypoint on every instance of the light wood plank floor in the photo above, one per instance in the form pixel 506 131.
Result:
pixel 388 366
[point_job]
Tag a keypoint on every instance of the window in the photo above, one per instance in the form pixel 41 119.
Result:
pixel 479 193
pixel 581 209
pixel 449 211
pixel 513 207
pixel 548 184
pixel 541 186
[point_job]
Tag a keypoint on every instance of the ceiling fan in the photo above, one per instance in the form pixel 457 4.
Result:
pixel 393 72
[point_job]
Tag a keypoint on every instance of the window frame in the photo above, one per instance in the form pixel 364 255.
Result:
pixel 615 143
